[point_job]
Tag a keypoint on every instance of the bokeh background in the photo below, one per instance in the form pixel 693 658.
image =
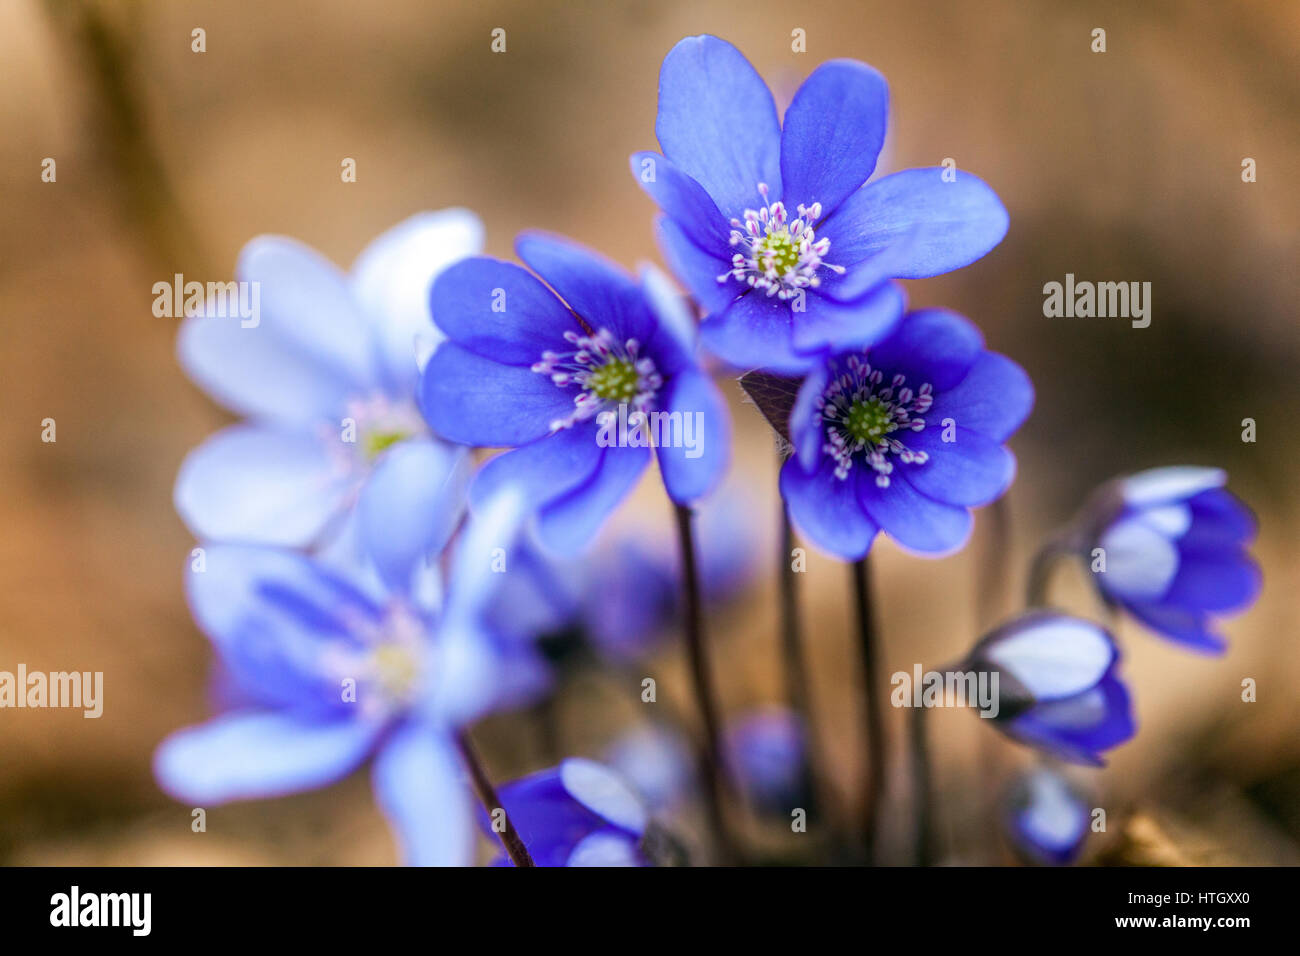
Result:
pixel 1117 166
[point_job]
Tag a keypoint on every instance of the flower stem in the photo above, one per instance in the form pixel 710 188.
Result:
pixel 924 846
pixel 702 677
pixel 794 663
pixel 1057 546
pixel 875 727
pixel 510 839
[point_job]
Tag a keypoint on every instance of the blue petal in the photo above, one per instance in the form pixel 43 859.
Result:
pixel 944 225
pixel 499 311
pixel 827 510
pixel 684 201
pixel 696 269
pixel 930 345
pixel 272 616
pixel 262 484
pixel 717 122
pixel 1141 561
pixel 1188 627
pixel 544 470
pixel 832 134
pixel 970 471
pixel 604 793
pixel 1053 823
pixel 657 762
pixel 828 324
pixel 600 292
pixel 474 400
pixel 391 280
pixel 1051 656
pixel 566 525
pixel 806 421
pixel 1222 580
pixel 310 350
pixel 246 756
pixel 754 332
pixel 422 792
pixel 1158 486
pixel 674 344
pixel 607 846
pixel 1219 518
pixel 703 416
pixel 994 398
pixel 549 821
pixel 411 505
pixel 915 521
pixel 1079 728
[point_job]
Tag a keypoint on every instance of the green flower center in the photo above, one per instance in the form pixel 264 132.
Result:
pixel 778 249
pixel 395 669
pixel 617 380
pixel 868 421
pixel 378 442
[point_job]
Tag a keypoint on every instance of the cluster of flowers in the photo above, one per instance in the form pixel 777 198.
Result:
pixel 349 575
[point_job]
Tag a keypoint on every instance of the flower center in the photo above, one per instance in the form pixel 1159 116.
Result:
pixel 862 419
pixel 394 669
pixel 774 255
pixel 605 371
pixel 376 423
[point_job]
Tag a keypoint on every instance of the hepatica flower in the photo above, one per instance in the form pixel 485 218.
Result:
pixel 332 668
pixel 624 592
pixel 581 379
pixel 1058 689
pixel 580 813
pixel 768 223
pixel 905 437
pixel 1174 543
pixel 1047 820
pixel 326 379
pixel 767 751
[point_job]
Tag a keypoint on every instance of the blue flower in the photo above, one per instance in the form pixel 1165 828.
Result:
pixel 579 386
pixel 1047 820
pixel 622 594
pixel 326 378
pixel 1058 689
pixel 658 762
pixel 333 666
pixel 770 226
pixel 1175 542
pixel 904 437
pixel 767 752
pixel 580 813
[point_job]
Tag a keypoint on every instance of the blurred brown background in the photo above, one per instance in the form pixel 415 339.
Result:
pixel 1117 166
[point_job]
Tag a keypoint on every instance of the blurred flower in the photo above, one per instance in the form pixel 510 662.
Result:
pixel 1057 685
pixel 1047 821
pixel 782 286
pixel 624 593
pixel 766 750
pixel 1174 541
pixel 657 762
pixel 904 437
pixel 559 378
pixel 580 813
pixel 332 667
pixel 327 379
